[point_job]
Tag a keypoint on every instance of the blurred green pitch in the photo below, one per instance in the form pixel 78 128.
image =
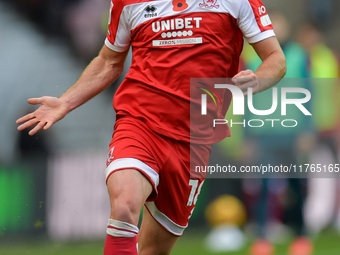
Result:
pixel 328 243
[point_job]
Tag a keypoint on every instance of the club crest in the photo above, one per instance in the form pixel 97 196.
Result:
pixel 209 4
pixel 110 156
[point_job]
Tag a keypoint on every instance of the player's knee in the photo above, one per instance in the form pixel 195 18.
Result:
pixel 126 211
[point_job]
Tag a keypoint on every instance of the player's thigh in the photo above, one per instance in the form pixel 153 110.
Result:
pixel 128 190
pixel 153 239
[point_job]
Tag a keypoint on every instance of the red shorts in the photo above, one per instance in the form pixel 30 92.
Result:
pixel 166 163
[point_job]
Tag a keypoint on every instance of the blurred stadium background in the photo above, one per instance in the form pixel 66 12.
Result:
pixel 52 194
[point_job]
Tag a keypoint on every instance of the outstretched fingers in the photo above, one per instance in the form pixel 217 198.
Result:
pixel 48 125
pixel 27 124
pixel 40 124
pixel 25 118
pixel 50 111
pixel 38 127
pixel 29 116
pixel 35 101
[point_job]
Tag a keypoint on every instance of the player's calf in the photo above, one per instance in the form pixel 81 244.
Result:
pixel 153 238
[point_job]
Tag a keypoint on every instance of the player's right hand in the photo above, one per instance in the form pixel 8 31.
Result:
pixel 50 111
pixel 246 79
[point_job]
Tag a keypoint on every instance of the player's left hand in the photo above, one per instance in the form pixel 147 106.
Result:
pixel 247 79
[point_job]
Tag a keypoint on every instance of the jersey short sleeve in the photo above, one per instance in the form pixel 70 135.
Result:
pixel 254 21
pixel 118 36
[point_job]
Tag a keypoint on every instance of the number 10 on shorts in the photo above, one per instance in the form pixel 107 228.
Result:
pixel 194 193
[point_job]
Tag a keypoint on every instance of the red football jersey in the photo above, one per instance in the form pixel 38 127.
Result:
pixel 173 41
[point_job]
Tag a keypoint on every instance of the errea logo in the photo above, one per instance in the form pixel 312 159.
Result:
pixel 151 11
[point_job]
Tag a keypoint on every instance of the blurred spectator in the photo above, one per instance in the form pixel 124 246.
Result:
pixel 325 70
pixel 83 24
pixel 279 200
pixel 47 14
pixel 78 22
pixel 321 13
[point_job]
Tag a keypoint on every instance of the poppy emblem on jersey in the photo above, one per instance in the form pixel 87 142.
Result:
pixel 209 4
pixel 179 5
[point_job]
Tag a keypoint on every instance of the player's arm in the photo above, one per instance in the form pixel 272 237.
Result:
pixel 97 76
pixel 272 69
